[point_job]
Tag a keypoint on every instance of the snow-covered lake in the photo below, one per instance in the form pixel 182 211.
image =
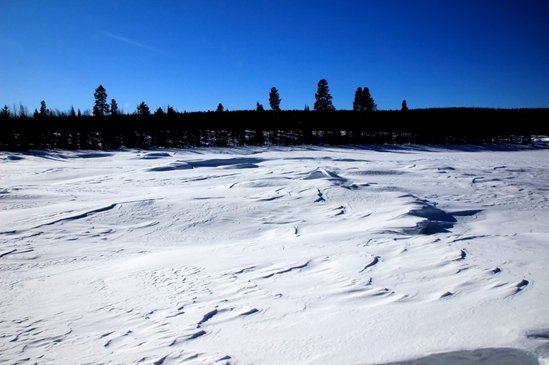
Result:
pixel 305 255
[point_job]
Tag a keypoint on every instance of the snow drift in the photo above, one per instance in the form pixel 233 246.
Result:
pixel 275 256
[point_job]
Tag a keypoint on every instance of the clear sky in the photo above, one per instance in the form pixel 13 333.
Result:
pixel 194 54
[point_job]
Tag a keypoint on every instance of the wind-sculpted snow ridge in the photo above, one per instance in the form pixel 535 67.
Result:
pixel 385 255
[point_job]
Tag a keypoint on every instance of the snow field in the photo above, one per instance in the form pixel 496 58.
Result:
pixel 298 255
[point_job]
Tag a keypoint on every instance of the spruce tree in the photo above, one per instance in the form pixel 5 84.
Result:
pixel 368 101
pixel 220 108
pixel 259 107
pixel 274 99
pixel 323 99
pixel 100 107
pixel 44 111
pixel 404 106
pixel 5 113
pixel 114 107
pixel 143 109
pixel 358 105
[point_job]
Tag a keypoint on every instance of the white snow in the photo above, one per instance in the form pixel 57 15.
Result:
pixel 304 255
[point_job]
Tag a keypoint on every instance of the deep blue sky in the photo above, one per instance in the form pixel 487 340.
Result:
pixel 193 54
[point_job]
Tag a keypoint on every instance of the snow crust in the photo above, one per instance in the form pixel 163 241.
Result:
pixel 304 255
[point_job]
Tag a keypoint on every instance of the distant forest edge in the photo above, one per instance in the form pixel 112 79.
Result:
pixel 238 128
pixel 107 128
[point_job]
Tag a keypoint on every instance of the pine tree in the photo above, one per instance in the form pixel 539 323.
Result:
pixel 114 107
pixel 358 105
pixel 143 109
pixel 220 108
pixel 100 107
pixel 368 101
pixel 259 107
pixel 72 112
pixel 159 111
pixel 5 113
pixel 170 110
pixel 44 111
pixel 323 99
pixel 274 99
pixel 404 106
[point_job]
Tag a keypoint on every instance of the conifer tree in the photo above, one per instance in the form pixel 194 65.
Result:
pixel 100 107
pixel 323 99
pixel 404 106
pixel 220 108
pixel 259 107
pixel 143 109
pixel 368 101
pixel 358 105
pixel 114 107
pixel 44 111
pixel 5 113
pixel 274 99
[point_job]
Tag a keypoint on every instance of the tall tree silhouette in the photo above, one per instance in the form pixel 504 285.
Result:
pixel 259 107
pixel 323 99
pixel 368 101
pixel 274 99
pixel 404 106
pixel 5 113
pixel 114 107
pixel 100 107
pixel 143 109
pixel 44 111
pixel 358 104
pixel 363 100
pixel 220 108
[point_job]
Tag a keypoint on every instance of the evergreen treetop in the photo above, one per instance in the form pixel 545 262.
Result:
pixel 274 99
pixel 100 107
pixel 323 98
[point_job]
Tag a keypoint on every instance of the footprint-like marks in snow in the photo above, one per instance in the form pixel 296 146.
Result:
pixel 249 312
pixel 207 317
pixel 462 255
pixel 195 335
pixel 447 294
pixel 374 262
pixel 287 270
pixel 521 286
pixel 320 198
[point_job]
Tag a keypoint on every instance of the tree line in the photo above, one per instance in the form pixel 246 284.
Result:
pixel 102 107
pixel 107 127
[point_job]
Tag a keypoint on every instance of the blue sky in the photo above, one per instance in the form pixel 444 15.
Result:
pixel 194 54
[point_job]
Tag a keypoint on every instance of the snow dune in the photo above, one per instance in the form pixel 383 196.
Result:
pixel 404 255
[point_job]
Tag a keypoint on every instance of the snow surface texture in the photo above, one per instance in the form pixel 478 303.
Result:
pixel 275 256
